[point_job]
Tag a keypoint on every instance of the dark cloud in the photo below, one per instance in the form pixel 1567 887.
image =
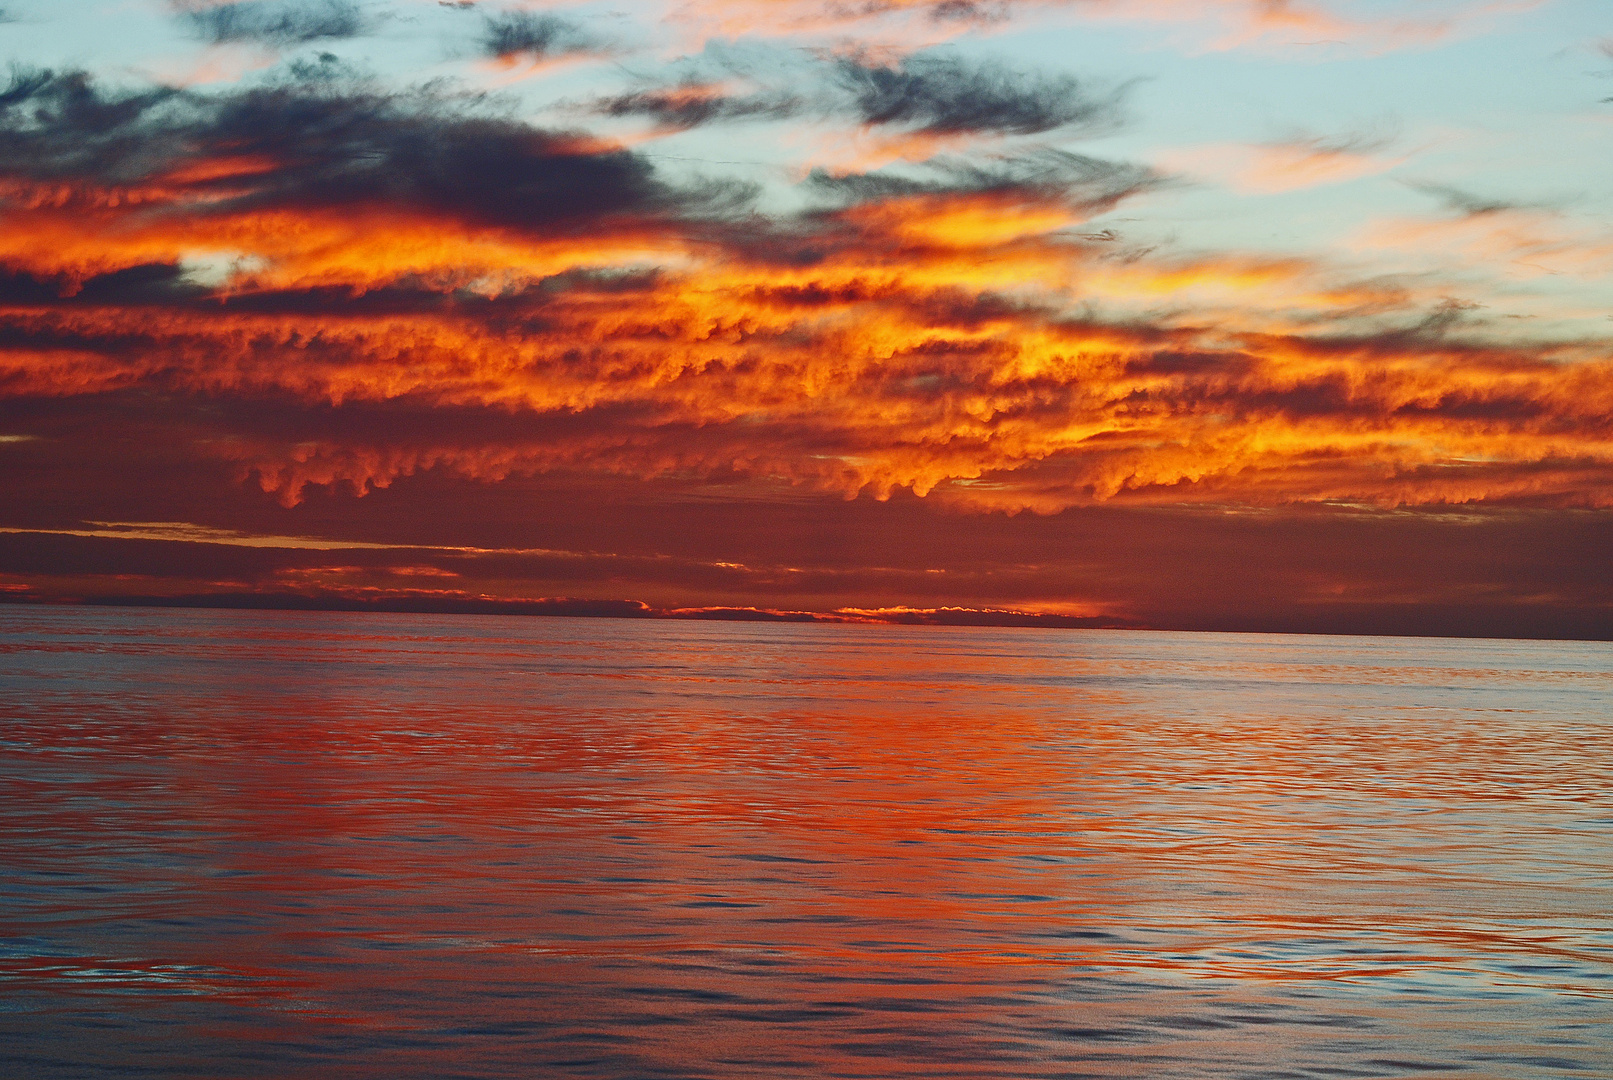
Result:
pixel 513 34
pixel 941 94
pixel 1469 204
pixel 1048 174
pixel 935 94
pixel 1503 573
pixel 360 148
pixel 153 283
pixel 63 127
pixel 692 104
pixel 272 22
pixel 1446 315
pixel 323 138
pixel 971 11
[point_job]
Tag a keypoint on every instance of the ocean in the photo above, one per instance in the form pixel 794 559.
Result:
pixel 319 845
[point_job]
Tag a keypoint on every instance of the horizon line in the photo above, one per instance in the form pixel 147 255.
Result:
pixel 574 608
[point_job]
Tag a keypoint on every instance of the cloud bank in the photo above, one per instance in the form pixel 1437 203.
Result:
pixel 946 328
pixel 319 282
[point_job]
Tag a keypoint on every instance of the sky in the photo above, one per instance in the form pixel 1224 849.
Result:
pixel 1197 314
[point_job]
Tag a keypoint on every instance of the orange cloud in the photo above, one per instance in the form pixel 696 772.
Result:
pixel 1213 24
pixel 1289 165
pixel 930 344
pixel 952 331
pixel 1526 241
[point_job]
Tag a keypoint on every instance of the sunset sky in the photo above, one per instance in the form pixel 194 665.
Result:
pixel 1206 314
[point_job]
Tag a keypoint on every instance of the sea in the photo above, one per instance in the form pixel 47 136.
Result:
pixel 357 845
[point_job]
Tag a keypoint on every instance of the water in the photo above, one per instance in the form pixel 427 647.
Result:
pixel 327 845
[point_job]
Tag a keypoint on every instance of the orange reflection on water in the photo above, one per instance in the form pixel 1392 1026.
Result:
pixel 410 846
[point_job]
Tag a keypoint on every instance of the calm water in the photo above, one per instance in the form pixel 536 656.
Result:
pixel 322 845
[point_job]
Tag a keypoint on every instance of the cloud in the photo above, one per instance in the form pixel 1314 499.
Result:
pixel 248 333
pixel 1201 24
pixel 693 103
pixel 929 97
pixel 937 94
pixel 1045 174
pixel 272 22
pixel 857 388
pixel 1524 239
pixel 916 23
pixel 188 533
pixel 1468 204
pixel 662 547
pixel 314 139
pixel 512 35
pixel 1290 164
pixel 439 288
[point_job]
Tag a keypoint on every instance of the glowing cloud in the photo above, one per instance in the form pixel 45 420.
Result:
pixel 781 265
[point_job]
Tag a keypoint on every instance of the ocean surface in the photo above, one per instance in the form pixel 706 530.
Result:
pixel 310 845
